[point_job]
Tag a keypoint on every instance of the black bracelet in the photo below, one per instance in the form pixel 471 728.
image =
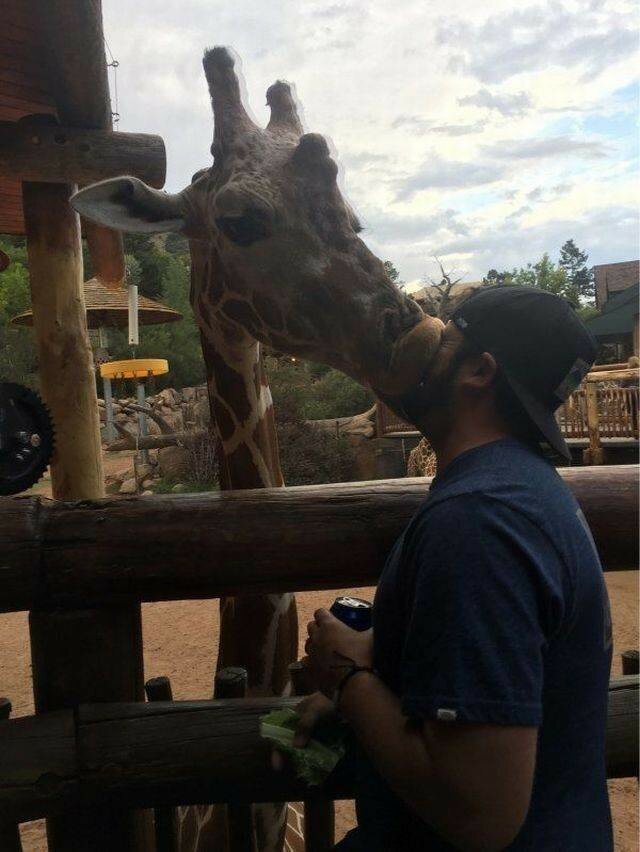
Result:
pixel 352 671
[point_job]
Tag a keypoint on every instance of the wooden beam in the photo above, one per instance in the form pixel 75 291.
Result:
pixel 38 152
pixel 76 65
pixel 189 752
pixel 613 375
pixel 173 547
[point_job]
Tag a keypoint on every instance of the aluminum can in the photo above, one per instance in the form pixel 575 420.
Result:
pixel 354 612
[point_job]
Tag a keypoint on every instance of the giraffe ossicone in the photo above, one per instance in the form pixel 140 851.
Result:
pixel 281 251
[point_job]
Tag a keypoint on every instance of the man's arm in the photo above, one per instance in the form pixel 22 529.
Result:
pixel 471 782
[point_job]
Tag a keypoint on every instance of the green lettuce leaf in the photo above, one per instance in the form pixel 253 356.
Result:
pixel 318 758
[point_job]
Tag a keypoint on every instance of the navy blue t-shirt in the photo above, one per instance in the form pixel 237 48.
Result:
pixel 492 608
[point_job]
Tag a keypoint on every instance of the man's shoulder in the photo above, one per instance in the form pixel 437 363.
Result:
pixel 506 472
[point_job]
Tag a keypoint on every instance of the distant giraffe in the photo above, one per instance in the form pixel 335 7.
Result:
pixel 422 460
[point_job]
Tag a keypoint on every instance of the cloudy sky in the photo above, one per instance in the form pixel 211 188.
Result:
pixel 483 133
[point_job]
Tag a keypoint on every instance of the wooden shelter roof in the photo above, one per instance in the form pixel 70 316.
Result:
pixel 108 307
pixel 25 89
pixel 52 62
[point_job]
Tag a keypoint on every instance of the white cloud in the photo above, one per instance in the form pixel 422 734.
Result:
pixel 462 129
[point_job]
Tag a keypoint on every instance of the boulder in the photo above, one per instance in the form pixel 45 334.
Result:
pixel 189 394
pixel 201 413
pixel 179 488
pixel 129 486
pixel 173 462
pixel 169 397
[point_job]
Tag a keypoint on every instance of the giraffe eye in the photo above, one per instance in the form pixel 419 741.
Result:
pixel 251 226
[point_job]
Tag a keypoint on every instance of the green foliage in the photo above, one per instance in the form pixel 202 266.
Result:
pixel 574 263
pixel 178 342
pixel 300 392
pixel 307 391
pixel 18 361
pixel 393 274
pixel 569 278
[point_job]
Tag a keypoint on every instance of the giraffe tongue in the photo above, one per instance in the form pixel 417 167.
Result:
pixel 410 356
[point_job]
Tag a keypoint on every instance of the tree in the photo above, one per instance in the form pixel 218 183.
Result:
pixel 574 263
pixel 544 274
pixel 18 360
pixel 440 300
pixel 393 274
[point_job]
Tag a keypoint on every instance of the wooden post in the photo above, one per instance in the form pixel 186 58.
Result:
pixel 319 811
pixel 81 655
pixel 165 819
pixel 232 683
pixel 67 377
pixel 593 425
pixel 630 662
pixel 91 655
pixel 9 831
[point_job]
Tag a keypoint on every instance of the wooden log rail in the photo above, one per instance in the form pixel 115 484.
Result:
pixel 174 547
pixel 188 752
pixel 53 154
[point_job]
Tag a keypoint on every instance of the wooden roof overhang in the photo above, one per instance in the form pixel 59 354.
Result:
pixel 53 64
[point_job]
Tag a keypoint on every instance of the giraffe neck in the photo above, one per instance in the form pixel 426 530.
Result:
pixel 242 408
pixel 258 632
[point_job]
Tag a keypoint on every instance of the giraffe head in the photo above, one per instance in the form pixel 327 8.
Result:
pixel 277 245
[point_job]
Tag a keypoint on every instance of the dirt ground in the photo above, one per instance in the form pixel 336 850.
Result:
pixel 180 640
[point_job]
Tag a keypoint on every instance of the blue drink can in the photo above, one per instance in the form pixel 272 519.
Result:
pixel 354 612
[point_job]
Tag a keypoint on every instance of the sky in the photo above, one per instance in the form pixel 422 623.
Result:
pixel 481 134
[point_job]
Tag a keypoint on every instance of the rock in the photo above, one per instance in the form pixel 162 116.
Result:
pixel 143 471
pixel 121 418
pixel 147 483
pixel 102 414
pixel 129 486
pixel 113 487
pixel 100 403
pixel 146 493
pixel 173 462
pixel 174 421
pixel 189 394
pixel 152 427
pixel 201 413
pixel 179 488
pixel 169 397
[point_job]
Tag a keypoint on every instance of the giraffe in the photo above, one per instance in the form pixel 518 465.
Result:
pixel 422 460
pixel 276 260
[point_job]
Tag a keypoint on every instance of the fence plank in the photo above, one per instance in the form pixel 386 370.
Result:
pixel 271 540
pixel 168 753
pixel 164 819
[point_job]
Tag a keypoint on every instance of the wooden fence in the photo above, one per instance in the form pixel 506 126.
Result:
pixel 617 415
pixel 112 757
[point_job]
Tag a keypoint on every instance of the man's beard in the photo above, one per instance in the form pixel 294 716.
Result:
pixel 436 400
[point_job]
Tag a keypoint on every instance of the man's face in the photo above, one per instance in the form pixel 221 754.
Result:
pixel 439 382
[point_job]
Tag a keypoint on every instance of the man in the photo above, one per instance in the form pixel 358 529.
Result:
pixel 479 699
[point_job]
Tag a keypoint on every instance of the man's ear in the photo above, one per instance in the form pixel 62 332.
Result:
pixel 128 204
pixel 479 372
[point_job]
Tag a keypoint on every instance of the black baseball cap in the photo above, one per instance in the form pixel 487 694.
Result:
pixel 542 348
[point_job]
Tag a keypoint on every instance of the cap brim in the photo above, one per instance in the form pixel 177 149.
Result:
pixel 539 414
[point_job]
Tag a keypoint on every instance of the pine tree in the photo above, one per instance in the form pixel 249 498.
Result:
pixel 574 263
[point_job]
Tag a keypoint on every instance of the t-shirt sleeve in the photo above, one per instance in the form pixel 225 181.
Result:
pixel 486 602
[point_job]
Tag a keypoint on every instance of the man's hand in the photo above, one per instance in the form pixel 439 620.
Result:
pixel 312 710
pixel 333 649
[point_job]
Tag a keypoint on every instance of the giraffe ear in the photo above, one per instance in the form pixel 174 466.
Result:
pixel 128 204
